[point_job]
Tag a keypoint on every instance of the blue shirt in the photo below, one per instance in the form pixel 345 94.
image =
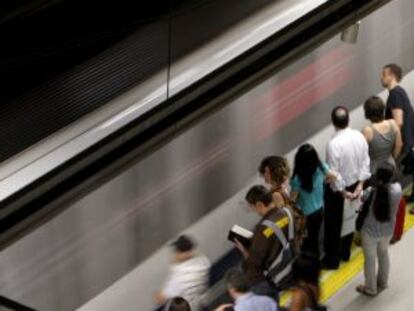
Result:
pixel 310 202
pixel 251 302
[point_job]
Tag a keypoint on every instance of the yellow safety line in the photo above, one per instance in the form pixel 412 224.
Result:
pixel 333 281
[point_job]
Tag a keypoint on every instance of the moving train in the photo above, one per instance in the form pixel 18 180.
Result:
pixel 108 250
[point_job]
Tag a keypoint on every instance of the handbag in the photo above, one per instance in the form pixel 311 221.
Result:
pixel 364 211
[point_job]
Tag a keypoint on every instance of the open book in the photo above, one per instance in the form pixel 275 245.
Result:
pixel 241 234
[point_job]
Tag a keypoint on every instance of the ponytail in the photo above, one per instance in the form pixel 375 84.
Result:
pixel 382 204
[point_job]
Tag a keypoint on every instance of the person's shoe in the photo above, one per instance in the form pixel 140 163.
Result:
pixel 381 288
pixel 362 289
pixel 394 240
pixel 411 211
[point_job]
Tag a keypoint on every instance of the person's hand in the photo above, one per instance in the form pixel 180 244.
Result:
pixel 331 177
pixel 348 195
pixel 358 190
pixel 223 307
pixel 241 248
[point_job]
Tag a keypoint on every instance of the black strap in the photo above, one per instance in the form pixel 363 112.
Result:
pixel 364 211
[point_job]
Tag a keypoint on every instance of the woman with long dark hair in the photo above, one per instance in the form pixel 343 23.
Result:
pixel 380 207
pixel 307 190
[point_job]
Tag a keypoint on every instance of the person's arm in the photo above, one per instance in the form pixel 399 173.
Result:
pixel 294 195
pixel 368 134
pixel 398 116
pixel 223 307
pixel 333 162
pixel 398 140
pixel 395 102
pixel 298 300
pixel 294 189
pixel 365 170
pixel 279 200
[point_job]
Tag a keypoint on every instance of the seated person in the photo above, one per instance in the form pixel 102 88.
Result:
pixel 244 300
pixel 189 274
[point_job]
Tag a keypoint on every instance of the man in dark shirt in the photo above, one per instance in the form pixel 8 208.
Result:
pixel 399 107
pixel 265 246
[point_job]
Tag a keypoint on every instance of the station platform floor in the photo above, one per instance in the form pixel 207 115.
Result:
pixel 338 287
pixel 400 294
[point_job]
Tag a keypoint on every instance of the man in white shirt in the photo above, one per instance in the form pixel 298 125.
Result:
pixel 188 276
pixel 347 154
pixel 244 300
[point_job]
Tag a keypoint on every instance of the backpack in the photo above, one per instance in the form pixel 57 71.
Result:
pixel 299 222
pixel 279 271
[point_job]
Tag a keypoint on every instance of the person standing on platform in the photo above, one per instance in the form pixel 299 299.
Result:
pixel 399 108
pixel 265 246
pixel 377 226
pixel 383 136
pixel 346 154
pixel 307 191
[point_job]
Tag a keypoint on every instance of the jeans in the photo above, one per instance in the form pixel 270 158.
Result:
pixel 374 248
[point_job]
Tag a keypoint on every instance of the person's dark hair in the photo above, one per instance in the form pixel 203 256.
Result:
pixel 395 70
pixel 278 167
pixel 381 206
pixel 374 109
pixel 306 268
pixel 306 163
pixel 183 244
pixel 340 117
pixel 177 304
pixel 237 280
pixel 259 194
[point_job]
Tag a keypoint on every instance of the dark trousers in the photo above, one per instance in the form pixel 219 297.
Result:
pixel 313 226
pixel 336 248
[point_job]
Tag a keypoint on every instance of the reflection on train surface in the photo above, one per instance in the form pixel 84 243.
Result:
pixel 107 251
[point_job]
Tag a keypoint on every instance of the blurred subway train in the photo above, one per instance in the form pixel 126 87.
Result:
pixel 108 250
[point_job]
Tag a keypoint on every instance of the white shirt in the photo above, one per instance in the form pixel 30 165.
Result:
pixel 188 279
pixel 347 154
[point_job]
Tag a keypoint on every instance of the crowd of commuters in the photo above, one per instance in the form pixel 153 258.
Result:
pixel 362 171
